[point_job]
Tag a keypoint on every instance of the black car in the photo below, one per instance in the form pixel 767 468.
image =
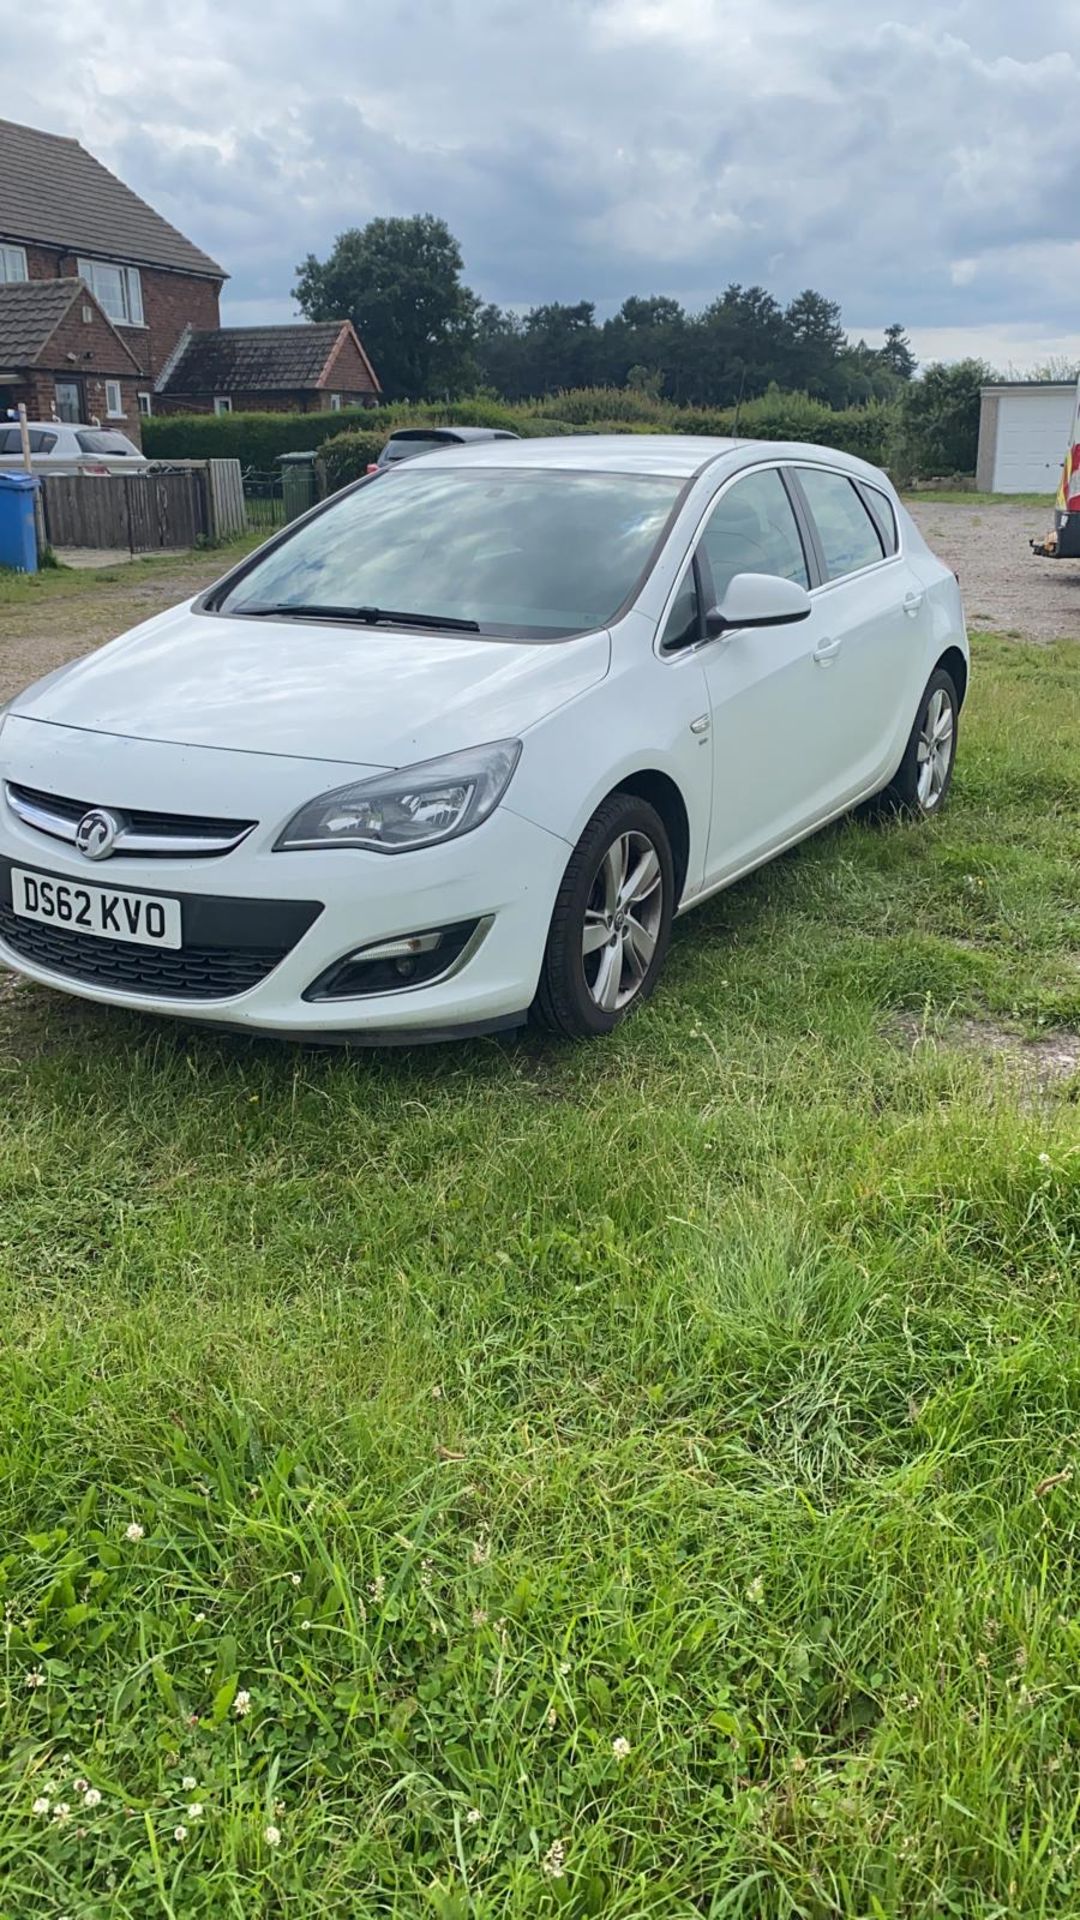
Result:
pixel 407 442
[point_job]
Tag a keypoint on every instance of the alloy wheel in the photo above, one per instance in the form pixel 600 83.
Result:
pixel 934 753
pixel 622 920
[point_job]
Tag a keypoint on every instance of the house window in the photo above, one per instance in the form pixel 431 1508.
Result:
pixel 146 404
pixel 13 263
pixel 114 400
pixel 68 401
pixel 222 403
pixel 117 289
pixel 335 403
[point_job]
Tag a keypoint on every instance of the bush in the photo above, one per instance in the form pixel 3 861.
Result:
pixel 351 439
pixel 938 428
pixel 255 439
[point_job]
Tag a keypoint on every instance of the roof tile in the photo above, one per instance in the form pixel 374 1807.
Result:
pixel 54 192
pixel 250 359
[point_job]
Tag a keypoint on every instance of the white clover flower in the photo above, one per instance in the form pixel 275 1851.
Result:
pixel 296 1579
pixel 194 1812
pixel 80 1786
pixel 92 1797
pixel 272 1836
pixel 553 1864
pixel 199 1619
pixel 41 1804
pixel 134 1533
pixel 35 1678
pixel 1044 1159
pixel 472 1818
pixel 179 1833
pixel 620 1747
pixel 61 1813
pixel 242 1703
pixel 189 1783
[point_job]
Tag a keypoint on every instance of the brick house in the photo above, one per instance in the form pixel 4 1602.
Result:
pixel 65 218
pixel 59 352
pixel 310 367
pixel 62 216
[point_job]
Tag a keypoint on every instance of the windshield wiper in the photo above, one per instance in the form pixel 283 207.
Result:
pixel 370 616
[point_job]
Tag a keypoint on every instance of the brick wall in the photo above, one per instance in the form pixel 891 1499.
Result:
pixel 40 396
pixel 305 400
pixel 347 374
pixel 171 302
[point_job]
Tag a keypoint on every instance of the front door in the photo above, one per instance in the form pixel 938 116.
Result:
pixel 69 401
pixel 765 685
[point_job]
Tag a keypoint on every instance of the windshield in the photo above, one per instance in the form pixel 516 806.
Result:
pixel 526 553
pixel 400 448
pixel 103 442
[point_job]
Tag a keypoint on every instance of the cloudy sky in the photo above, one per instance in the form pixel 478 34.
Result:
pixel 917 160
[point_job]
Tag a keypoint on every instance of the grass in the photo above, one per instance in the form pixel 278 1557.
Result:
pixel 713 1391
pixel 59 582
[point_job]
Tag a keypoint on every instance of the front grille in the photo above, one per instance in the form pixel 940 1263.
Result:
pixel 187 973
pixel 229 946
pixel 142 832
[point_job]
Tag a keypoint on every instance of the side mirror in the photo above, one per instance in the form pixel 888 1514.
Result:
pixel 758 600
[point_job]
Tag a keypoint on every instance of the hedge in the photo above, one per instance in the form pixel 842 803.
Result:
pixel 255 439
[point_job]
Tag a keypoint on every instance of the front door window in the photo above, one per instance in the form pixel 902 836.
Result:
pixel 68 401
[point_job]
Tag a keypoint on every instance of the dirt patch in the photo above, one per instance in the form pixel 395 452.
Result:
pixel 1006 589
pixel 1038 1066
pixel 58 626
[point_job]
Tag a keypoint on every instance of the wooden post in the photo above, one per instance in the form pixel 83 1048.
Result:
pixel 39 504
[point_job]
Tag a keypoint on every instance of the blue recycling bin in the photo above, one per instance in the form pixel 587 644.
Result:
pixel 18 533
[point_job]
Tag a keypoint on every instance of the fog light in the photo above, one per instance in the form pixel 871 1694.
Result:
pixel 408 960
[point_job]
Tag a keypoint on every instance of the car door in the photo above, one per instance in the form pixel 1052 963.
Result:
pixel 766 688
pixel 874 606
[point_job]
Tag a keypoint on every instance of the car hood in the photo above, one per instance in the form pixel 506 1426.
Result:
pixel 372 696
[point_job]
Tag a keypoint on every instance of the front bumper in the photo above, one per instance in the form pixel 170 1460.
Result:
pixel 318 907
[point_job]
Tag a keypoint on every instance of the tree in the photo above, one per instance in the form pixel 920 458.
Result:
pixel 897 353
pixel 399 282
pixel 940 419
pixel 818 344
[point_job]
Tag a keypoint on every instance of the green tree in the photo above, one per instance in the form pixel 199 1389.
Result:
pixel 399 282
pixel 818 345
pixel 939 420
pixel 897 352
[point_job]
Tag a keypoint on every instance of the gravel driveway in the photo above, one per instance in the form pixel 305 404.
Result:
pixel 1005 588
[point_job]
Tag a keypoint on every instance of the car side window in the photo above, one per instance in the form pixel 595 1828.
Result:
pixel 849 537
pixel 41 441
pixel 10 440
pixel 683 625
pixel 881 508
pixel 753 529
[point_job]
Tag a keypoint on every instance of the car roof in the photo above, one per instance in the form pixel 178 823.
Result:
pixel 681 455
pixel 460 435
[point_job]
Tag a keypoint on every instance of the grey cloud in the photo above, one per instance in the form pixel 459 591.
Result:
pixel 918 159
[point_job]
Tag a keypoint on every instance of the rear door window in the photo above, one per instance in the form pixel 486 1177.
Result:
pixel 881 508
pixel 848 535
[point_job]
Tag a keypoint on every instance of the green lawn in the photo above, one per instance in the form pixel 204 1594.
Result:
pixel 629 1480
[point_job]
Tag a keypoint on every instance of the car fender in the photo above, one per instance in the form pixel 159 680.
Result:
pixel 639 720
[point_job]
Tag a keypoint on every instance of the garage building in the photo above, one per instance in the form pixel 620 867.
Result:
pixel 1024 428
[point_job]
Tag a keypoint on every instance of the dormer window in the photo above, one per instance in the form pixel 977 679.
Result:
pixel 117 289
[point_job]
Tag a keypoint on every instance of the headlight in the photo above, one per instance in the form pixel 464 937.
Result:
pixel 411 807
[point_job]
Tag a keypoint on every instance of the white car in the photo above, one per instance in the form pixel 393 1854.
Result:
pixel 58 448
pixel 458 745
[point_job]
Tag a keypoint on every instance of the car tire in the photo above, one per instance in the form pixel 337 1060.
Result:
pixel 920 786
pixel 611 927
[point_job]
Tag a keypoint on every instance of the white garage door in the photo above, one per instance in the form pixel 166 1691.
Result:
pixel 1033 429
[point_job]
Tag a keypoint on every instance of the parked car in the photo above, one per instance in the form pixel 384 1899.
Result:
pixel 462 742
pixel 409 441
pixel 58 448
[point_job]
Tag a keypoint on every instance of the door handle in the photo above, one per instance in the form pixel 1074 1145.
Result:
pixel 913 603
pixel 826 650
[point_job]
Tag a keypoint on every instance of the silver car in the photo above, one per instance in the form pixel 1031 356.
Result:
pixel 56 447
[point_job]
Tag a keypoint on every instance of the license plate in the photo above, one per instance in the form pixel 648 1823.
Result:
pixel 142 919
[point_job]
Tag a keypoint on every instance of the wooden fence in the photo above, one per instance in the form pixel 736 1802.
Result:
pixel 145 512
